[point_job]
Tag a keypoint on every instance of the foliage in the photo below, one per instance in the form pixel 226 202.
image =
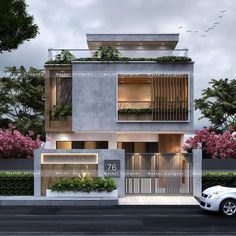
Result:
pixel 173 59
pixel 218 103
pixel 217 145
pixel 15 145
pixel 86 184
pixel 227 179
pixel 135 111
pixel 107 54
pixel 61 112
pixel 16 24
pixel 16 183
pixel 64 57
pixel 22 99
pixel 163 60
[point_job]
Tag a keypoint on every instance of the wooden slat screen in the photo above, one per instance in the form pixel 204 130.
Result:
pixel 170 97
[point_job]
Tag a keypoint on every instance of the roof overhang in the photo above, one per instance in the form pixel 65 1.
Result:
pixel 132 41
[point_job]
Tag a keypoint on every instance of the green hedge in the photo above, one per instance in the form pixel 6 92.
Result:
pixel 227 179
pixel 164 59
pixel 16 184
pixel 87 184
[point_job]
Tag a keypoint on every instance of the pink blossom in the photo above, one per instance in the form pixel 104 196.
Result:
pixel 217 145
pixel 13 144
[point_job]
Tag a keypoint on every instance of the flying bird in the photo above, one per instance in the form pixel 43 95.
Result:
pixel 203 35
pixel 223 11
pixel 220 16
pixel 189 31
pixel 180 27
pixel 195 31
pixel 216 23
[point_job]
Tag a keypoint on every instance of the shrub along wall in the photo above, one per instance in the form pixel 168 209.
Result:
pixel 16 183
pixel 227 179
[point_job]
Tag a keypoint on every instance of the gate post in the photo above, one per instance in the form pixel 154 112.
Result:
pixel 197 172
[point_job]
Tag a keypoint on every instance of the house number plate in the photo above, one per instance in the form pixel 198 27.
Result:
pixel 112 168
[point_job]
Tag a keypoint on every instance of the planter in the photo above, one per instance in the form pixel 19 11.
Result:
pixel 134 117
pixel 61 125
pixel 94 195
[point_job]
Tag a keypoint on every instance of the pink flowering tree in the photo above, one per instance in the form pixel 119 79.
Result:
pixel 216 145
pixel 13 144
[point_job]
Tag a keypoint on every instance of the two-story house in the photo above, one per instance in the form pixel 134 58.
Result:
pixel 126 91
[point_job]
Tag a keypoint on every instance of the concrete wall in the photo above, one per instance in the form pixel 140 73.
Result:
pixel 16 164
pixel 102 155
pixel 95 96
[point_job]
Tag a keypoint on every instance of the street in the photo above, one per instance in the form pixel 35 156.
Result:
pixel 120 220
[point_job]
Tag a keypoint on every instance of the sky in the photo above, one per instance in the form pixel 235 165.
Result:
pixel 64 24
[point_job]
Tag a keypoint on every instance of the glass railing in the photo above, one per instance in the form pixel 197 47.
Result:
pixel 132 53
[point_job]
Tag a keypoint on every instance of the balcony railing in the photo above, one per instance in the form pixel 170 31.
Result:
pixel 176 110
pixel 132 53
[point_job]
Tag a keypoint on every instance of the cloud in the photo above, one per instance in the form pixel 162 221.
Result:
pixel 64 24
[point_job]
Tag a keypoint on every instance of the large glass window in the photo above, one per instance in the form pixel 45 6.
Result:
pixel 82 144
pixel 63 91
pixel 139 147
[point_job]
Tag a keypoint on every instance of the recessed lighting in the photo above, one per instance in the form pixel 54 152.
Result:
pixel 163 44
pixel 149 81
pixel 140 44
pixel 118 43
pixel 122 81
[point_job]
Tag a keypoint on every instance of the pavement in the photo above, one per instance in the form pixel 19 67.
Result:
pixel 127 200
pixel 119 220
pixel 158 200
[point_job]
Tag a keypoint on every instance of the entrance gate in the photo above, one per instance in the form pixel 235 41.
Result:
pixel 150 174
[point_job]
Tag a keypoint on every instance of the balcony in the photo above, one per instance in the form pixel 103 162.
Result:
pixel 153 97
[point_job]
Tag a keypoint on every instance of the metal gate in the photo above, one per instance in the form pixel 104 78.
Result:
pixel 158 174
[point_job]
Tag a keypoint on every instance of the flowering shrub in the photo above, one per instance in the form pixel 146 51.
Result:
pixel 217 145
pixel 13 144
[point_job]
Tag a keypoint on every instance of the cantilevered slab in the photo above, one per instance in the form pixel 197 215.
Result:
pixel 130 41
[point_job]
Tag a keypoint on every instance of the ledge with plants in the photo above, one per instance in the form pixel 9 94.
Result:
pixel 84 188
pixel 140 111
pixel 110 54
pixel 59 112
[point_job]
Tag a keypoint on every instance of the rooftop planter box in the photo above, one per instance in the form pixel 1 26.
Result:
pixel 84 188
pixel 160 60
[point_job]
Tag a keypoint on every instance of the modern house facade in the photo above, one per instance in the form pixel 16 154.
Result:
pixel 124 117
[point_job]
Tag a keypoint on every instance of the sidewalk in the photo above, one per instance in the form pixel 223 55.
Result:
pixel 128 200
pixel 47 201
pixel 158 200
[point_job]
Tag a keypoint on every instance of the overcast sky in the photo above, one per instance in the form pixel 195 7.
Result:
pixel 64 24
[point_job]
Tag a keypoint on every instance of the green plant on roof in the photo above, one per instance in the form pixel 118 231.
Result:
pixel 107 54
pixel 64 56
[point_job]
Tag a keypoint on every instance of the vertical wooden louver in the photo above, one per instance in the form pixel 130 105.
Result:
pixel 170 97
